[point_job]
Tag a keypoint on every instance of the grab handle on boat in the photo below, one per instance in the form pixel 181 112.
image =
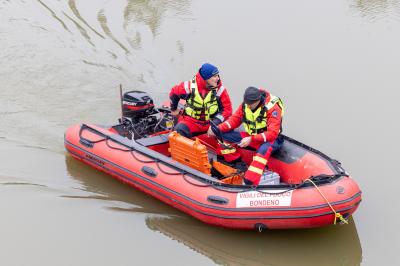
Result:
pixel 218 200
pixel 149 171
pixel 86 143
pixel 90 143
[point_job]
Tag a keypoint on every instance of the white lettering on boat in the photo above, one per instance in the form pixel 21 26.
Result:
pixel 258 199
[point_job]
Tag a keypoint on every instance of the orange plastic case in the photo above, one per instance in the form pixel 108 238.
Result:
pixel 189 152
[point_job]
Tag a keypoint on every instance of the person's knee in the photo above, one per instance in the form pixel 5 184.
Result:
pixel 264 148
pixel 183 130
pixel 231 136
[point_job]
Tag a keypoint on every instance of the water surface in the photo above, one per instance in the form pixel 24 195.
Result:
pixel 334 63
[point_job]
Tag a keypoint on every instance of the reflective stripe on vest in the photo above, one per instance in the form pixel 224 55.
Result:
pixel 228 150
pixel 196 105
pixel 186 86
pixel 256 122
pixel 220 91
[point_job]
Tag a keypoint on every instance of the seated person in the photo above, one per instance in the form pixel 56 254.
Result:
pixel 261 115
pixel 206 99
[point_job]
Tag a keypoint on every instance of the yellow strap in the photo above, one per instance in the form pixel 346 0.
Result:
pixel 255 169
pixel 228 151
pixel 337 214
pixel 260 160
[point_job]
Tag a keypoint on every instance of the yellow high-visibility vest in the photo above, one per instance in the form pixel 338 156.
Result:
pixel 255 122
pixel 196 105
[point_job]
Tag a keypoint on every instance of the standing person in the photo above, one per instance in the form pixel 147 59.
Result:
pixel 261 115
pixel 206 99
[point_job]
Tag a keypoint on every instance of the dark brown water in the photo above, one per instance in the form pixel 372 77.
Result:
pixel 336 65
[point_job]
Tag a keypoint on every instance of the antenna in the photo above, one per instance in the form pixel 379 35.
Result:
pixel 122 105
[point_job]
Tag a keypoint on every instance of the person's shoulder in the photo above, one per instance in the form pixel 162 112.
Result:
pixel 268 93
pixel 221 90
pixel 240 107
pixel 176 86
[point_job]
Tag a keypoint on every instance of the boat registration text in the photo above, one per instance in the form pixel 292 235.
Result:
pixel 265 198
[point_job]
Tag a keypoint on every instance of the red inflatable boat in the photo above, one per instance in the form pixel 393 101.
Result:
pixel 313 190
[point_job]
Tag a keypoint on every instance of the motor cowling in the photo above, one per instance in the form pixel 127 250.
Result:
pixel 137 105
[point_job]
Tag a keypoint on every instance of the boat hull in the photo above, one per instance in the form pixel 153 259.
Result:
pixel 220 205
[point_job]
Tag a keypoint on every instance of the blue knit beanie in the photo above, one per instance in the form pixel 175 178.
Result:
pixel 207 71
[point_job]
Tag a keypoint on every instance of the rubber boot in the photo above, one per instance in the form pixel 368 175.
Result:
pixel 256 169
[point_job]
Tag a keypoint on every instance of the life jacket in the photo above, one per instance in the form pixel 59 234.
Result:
pixel 255 122
pixel 199 108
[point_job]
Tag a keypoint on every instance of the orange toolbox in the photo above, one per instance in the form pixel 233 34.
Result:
pixel 189 152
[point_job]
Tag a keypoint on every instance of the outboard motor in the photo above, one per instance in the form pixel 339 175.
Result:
pixel 141 117
pixel 137 105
